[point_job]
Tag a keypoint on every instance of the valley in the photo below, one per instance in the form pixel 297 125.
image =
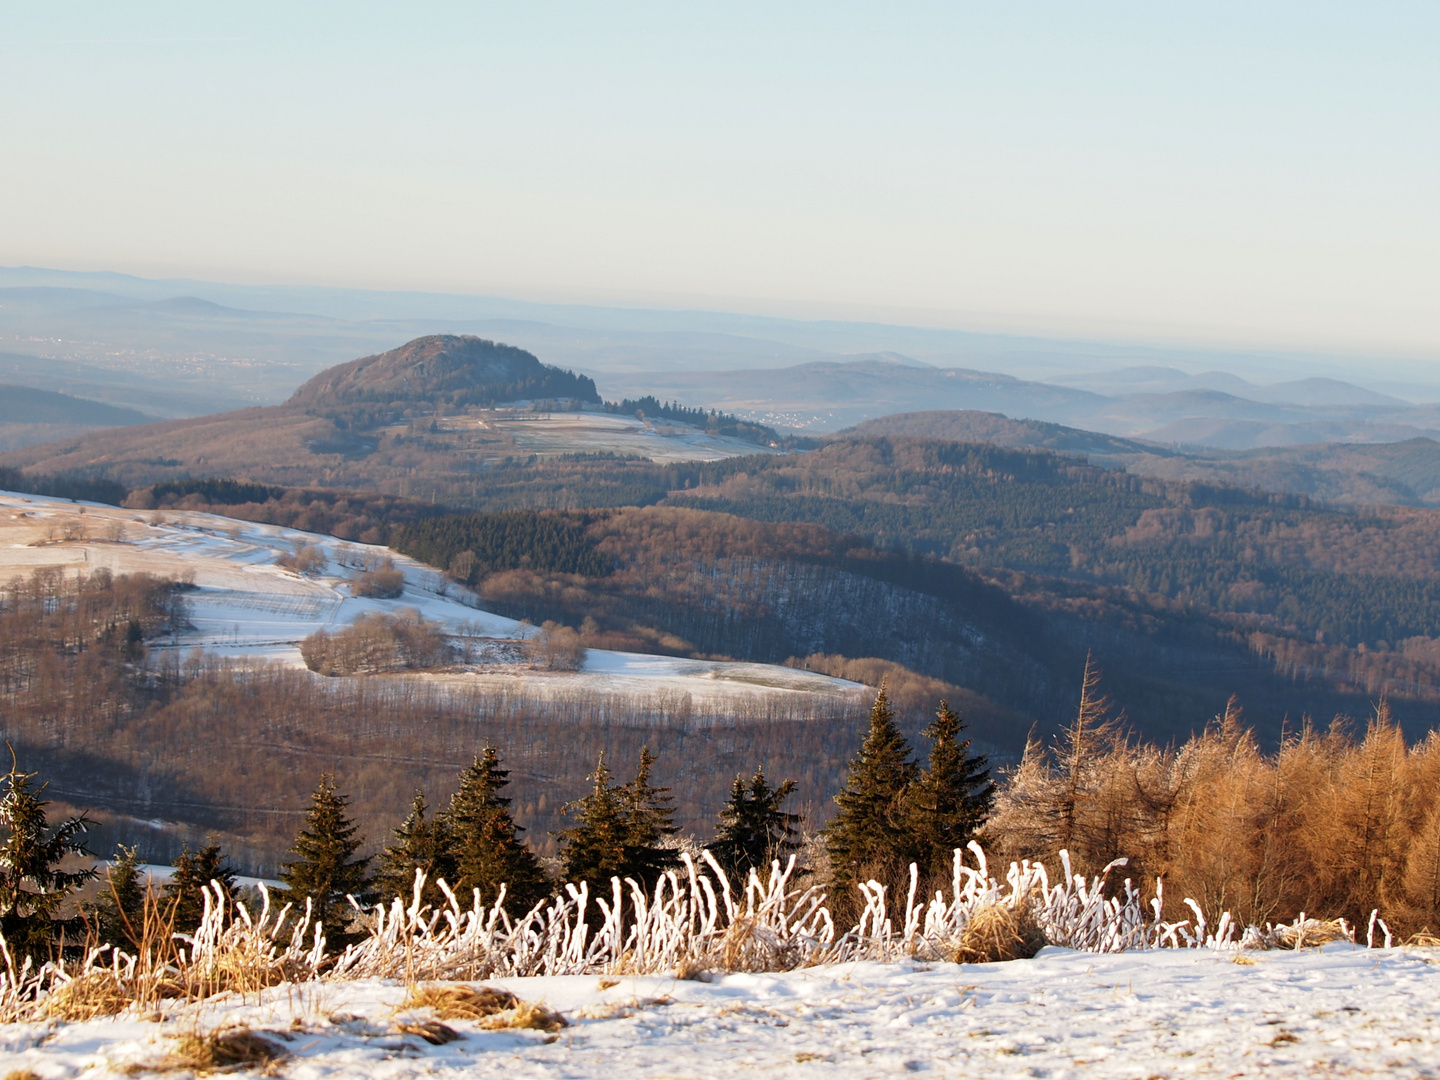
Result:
pixel 635 572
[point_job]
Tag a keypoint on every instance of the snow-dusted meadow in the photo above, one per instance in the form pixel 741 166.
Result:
pixel 592 432
pixel 245 605
pixel 1335 1011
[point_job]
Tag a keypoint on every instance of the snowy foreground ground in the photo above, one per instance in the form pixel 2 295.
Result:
pixel 1340 1011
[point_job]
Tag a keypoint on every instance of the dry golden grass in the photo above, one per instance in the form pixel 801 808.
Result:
pixel 1311 933
pixel 459 1001
pixel 690 968
pixel 225 1049
pixel 432 1031
pixel 526 1014
pixel 88 997
pixel 21 1074
pixel 999 933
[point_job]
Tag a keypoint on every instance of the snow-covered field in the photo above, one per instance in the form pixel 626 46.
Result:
pixel 1338 1011
pixel 598 432
pixel 245 605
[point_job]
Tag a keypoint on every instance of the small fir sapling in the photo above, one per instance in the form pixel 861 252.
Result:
pixel 33 888
pixel 620 829
pixel 325 870
pixel 120 910
pixel 868 836
pixel 594 848
pixel 184 893
pixel 651 816
pixel 421 843
pixel 950 799
pixel 484 845
pixel 753 831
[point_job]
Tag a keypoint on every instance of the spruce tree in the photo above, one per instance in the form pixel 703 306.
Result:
pixel 485 847
pixel 33 888
pixel 951 798
pixel 620 829
pixel 594 848
pixel 868 836
pixel 185 891
pixel 325 870
pixel 753 830
pixel 120 909
pixel 421 843
pixel 650 817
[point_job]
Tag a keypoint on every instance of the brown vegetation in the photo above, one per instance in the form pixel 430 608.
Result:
pixel 230 751
pixel 998 933
pixel 1334 823
pixel 911 693
pixel 555 648
pixel 459 1001
pixel 306 559
pixel 377 642
pixel 224 1050
pixel 384 581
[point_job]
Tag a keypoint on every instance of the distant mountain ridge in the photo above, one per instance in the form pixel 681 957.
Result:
pixel 1160 405
pixel 997 429
pixel 27 405
pixel 1397 473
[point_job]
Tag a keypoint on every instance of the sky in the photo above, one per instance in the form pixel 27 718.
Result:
pixel 1242 173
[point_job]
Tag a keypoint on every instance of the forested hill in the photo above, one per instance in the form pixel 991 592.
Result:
pixel 1202 582
pixel 1275 562
pixel 456 369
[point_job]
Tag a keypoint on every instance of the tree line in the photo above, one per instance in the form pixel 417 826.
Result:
pixel 890 812
pixel 710 421
pixel 1333 823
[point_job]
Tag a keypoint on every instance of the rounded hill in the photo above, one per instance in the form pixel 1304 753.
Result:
pixel 458 369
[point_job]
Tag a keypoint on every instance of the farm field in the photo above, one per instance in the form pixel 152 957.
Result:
pixel 1335 1011
pixel 601 433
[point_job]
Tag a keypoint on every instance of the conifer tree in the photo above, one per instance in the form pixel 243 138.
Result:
pixel 33 888
pixel 650 816
pixel 186 889
pixel 868 835
pixel 484 843
pixel 421 843
pixel 950 799
pixel 1080 746
pixel 594 848
pixel 325 870
pixel 620 829
pixel 753 830
pixel 120 909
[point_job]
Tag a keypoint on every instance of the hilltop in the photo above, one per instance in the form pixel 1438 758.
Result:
pixel 458 370
pixel 420 419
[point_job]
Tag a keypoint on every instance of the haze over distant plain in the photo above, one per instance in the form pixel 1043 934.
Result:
pixel 1214 173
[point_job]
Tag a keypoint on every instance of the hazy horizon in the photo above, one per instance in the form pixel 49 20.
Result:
pixel 1218 178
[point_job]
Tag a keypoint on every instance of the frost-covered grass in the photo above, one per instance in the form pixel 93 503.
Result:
pixel 1339 1011
pixel 771 985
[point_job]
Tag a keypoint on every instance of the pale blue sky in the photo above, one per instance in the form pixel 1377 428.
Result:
pixel 1228 172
